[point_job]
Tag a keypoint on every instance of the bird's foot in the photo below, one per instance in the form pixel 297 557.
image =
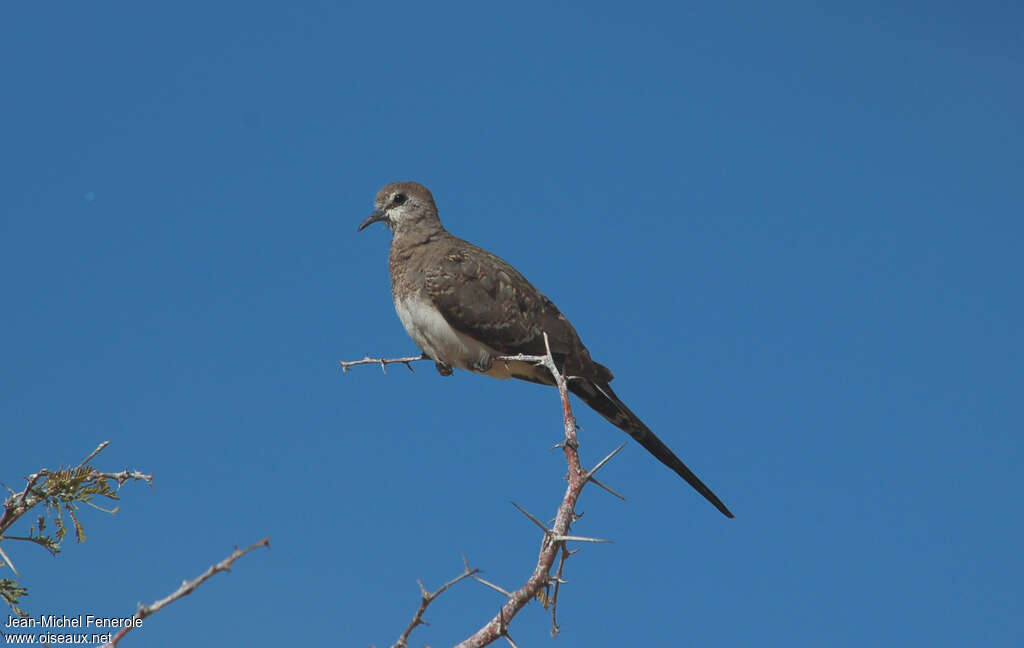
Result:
pixel 483 364
pixel 443 369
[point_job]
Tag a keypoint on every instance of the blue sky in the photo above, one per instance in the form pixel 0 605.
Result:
pixel 793 232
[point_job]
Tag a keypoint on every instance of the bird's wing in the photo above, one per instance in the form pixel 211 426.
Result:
pixel 483 296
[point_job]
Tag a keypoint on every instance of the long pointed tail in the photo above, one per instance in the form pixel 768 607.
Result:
pixel 601 398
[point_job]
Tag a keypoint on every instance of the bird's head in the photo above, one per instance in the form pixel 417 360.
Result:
pixel 402 206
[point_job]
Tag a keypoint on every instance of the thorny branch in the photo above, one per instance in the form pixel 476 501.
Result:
pixel 383 362
pixel 555 537
pixel 553 546
pixel 426 598
pixel 186 588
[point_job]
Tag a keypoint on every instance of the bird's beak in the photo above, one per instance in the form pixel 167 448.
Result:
pixel 377 215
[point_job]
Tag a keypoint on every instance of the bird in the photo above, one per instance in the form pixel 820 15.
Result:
pixel 464 307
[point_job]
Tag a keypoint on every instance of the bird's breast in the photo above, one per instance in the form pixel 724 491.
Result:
pixel 435 336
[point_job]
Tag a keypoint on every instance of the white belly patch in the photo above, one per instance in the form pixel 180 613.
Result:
pixel 435 336
pixel 432 333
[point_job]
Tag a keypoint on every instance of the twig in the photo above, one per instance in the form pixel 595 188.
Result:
pixel 92 455
pixel 383 362
pixel 32 479
pixel 125 475
pixel 426 598
pixel 186 588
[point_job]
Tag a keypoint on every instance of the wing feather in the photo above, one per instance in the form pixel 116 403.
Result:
pixel 483 296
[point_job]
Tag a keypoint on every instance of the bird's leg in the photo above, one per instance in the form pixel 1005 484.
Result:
pixel 443 369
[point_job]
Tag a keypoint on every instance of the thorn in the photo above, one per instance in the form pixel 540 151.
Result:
pixel 494 587
pixel 533 519
pixel 601 463
pixel 578 539
pixel 594 480
pixel 7 559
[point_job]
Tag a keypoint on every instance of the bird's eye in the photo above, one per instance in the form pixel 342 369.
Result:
pixel 399 199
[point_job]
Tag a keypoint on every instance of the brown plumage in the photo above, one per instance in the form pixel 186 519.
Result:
pixel 464 306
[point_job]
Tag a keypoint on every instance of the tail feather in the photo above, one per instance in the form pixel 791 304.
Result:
pixel 601 398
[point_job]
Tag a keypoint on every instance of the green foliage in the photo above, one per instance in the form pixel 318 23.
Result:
pixel 11 592
pixel 63 491
pixel 58 493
